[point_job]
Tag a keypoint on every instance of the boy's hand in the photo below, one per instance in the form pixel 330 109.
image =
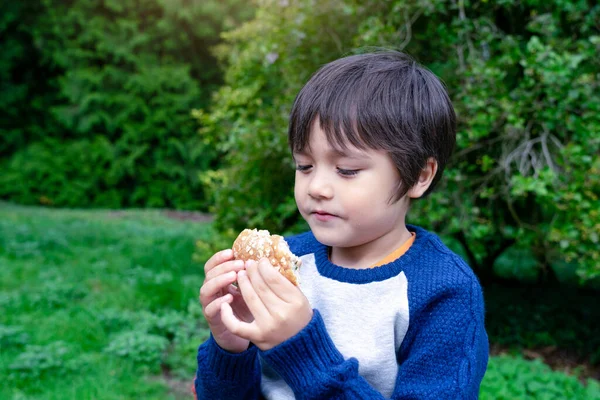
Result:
pixel 220 272
pixel 279 308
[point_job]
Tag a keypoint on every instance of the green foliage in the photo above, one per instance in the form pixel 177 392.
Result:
pixel 142 348
pixel 532 317
pixel 12 336
pixel 36 361
pixel 523 78
pixel 509 378
pixel 178 358
pixel 112 85
pixel 25 88
pixel 150 339
pixel 54 294
pixel 114 320
pixel 519 263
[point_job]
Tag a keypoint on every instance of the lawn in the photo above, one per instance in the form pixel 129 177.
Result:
pixel 97 304
pixel 103 305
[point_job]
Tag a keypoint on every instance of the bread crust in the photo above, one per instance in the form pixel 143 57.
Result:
pixel 253 244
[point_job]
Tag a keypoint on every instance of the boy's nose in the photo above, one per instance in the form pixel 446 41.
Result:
pixel 320 187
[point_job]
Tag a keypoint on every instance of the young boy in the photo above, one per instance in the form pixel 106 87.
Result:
pixel 384 309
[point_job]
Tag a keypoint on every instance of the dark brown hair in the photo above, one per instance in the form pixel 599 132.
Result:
pixel 383 101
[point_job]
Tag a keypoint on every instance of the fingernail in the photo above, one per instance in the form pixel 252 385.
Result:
pixel 250 263
pixel 241 273
pixel 265 261
pixel 227 253
pixel 238 263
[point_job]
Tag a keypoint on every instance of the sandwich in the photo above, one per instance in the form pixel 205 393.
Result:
pixel 253 244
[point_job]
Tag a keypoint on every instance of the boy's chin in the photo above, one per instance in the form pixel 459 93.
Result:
pixel 329 239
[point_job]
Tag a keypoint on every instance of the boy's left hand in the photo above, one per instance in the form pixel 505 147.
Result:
pixel 279 308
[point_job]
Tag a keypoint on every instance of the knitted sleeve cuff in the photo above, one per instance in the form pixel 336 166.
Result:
pixel 304 359
pixel 229 366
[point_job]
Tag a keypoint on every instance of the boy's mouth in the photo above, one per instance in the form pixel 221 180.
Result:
pixel 321 212
pixel 323 216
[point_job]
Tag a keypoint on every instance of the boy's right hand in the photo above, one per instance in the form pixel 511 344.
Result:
pixel 220 272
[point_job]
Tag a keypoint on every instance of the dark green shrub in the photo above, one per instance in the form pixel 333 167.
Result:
pixel 519 263
pixel 111 85
pixel 533 317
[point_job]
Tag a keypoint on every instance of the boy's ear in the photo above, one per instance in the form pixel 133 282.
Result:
pixel 425 179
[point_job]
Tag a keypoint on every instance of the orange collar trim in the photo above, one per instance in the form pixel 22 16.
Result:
pixel 396 254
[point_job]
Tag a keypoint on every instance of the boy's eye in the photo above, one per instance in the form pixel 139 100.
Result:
pixel 347 172
pixel 303 168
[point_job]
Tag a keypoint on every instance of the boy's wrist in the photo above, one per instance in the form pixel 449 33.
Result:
pixel 231 349
pixel 231 366
pixel 306 355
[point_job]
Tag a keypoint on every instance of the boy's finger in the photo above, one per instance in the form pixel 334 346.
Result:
pixel 227 266
pixel 238 328
pixel 218 258
pixel 262 289
pixel 211 310
pixel 210 289
pixel 252 300
pixel 278 285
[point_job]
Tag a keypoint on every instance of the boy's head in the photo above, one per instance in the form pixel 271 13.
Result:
pixel 382 101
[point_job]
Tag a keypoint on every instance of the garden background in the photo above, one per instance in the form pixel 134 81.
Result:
pixel 139 136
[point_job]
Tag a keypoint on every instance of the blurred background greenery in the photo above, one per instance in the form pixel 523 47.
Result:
pixel 183 104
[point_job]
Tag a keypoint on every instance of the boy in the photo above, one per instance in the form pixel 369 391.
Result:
pixel 384 309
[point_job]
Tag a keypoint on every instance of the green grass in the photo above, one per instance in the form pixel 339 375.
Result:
pixel 97 304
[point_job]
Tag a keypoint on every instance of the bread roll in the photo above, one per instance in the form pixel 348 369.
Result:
pixel 253 244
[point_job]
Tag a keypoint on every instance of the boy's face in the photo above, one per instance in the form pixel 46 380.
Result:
pixel 345 196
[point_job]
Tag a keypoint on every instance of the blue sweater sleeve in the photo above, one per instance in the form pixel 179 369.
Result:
pixel 446 357
pixel 439 361
pixel 227 376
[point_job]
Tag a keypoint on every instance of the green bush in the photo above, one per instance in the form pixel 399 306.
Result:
pixel 97 97
pixel 523 78
pixel 519 263
pixel 533 317
pixel 509 378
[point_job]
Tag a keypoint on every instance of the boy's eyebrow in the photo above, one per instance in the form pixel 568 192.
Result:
pixel 299 152
pixel 337 153
pixel 359 155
